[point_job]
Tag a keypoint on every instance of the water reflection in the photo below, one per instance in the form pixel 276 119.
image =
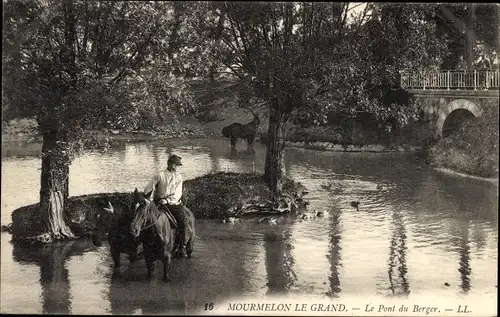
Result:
pixel 334 256
pixel 464 263
pixel 52 260
pixel 397 256
pixel 128 296
pixel 279 261
pixel 432 227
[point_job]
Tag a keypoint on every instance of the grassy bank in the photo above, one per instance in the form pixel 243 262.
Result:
pixel 222 195
pixel 472 150
pixel 213 196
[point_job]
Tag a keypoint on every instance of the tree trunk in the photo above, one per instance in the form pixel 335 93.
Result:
pixel 275 149
pixel 54 186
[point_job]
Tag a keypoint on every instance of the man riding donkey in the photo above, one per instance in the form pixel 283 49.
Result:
pixel 167 188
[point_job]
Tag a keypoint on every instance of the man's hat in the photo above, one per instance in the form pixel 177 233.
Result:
pixel 174 159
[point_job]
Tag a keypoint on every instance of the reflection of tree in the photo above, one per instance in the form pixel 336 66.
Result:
pixel 397 257
pixel 279 262
pixel 119 151
pixel 334 256
pixel 464 251
pixel 54 280
pixel 156 159
pixel 214 159
pixel 451 201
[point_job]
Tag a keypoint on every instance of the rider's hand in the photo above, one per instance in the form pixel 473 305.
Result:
pixel 163 201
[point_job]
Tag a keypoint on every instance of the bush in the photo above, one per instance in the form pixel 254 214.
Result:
pixel 473 149
pixel 212 195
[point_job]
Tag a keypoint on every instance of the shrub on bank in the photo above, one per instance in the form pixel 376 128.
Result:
pixel 414 134
pixel 471 150
pixel 220 195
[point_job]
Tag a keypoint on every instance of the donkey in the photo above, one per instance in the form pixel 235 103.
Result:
pixel 116 223
pixel 248 131
pixel 153 229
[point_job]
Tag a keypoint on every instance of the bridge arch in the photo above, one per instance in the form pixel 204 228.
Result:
pixel 459 104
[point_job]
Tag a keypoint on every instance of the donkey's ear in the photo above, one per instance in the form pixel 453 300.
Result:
pixel 109 208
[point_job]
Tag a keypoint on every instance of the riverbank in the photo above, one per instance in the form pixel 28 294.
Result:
pixel 226 196
pixel 473 149
pixel 452 172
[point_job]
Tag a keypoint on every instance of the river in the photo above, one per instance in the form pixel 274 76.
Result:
pixel 416 230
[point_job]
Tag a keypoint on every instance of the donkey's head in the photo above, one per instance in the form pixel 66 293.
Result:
pixel 103 218
pixel 142 213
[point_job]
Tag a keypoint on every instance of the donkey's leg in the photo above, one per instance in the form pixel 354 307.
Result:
pixel 149 259
pixel 233 141
pixel 250 140
pixel 189 246
pixel 166 258
pixel 177 245
pixel 115 254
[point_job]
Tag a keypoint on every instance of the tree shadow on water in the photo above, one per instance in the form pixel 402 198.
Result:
pixel 279 262
pixel 334 256
pixel 52 259
pixel 399 284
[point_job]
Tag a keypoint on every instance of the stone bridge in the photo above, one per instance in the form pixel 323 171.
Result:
pixel 449 98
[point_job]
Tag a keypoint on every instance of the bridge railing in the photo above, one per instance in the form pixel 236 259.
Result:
pixel 451 79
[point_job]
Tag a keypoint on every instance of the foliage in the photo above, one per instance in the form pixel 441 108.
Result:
pixel 214 195
pixel 453 23
pixel 473 149
pixel 90 65
pixel 328 60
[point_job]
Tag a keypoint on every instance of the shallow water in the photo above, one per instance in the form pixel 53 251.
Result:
pixel 415 230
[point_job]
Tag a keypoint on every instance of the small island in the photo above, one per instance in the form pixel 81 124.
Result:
pixel 213 196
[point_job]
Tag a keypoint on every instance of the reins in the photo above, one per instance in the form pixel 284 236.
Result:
pixel 142 229
pixel 145 216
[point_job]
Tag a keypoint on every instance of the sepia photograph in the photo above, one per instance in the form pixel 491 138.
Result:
pixel 249 158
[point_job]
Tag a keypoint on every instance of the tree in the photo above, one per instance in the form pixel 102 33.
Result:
pixel 398 38
pixel 278 52
pixel 465 26
pixel 71 64
pixel 308 57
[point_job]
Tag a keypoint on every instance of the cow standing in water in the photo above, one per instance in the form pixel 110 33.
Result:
pixel 248 131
